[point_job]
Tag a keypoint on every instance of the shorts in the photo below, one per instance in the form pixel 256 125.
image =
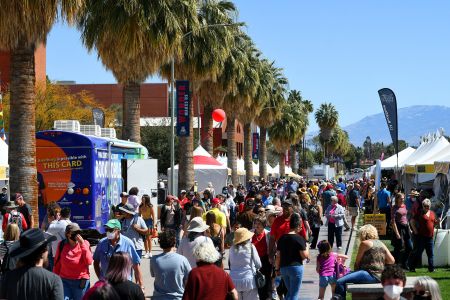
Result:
pixel 149 223
pixel 353 211
pixel 324 281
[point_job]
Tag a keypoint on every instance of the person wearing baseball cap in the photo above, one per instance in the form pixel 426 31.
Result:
pixel 31 280
pixel 221 219
pixel 112 243
pixel 72 260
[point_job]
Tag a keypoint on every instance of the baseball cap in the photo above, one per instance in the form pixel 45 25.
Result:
pixel 73 227
pixel 183 192
pixel 113 224
pixel 124 194
pixel 215 201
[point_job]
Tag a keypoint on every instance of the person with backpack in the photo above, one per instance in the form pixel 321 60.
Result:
pixel 72 260
pixel 12 216
pixel 25 209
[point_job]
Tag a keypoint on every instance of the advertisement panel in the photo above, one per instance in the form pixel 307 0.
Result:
pixel 255 140
pixel 183 102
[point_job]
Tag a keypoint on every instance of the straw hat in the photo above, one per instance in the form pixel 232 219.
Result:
pixel 197 225
pixel 241 235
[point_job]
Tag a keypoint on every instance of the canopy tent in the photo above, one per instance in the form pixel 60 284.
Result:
pixel 425 152
pixel 206 169
pixel 3 160
pixel 391 162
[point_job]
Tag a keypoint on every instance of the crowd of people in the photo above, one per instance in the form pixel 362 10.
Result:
pixel 268 228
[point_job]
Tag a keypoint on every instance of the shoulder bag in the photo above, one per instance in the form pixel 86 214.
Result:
pixel 260 279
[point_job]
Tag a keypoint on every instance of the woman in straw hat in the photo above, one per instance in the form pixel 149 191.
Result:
pixel 244 261
pixel 196 235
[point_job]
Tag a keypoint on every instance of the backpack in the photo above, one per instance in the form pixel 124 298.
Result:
pixel 9 263
pixel 340 269
pixel 15 218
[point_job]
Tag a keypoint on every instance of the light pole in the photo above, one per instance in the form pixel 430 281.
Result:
pixel 172 102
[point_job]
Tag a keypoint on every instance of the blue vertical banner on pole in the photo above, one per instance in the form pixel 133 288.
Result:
pixel 182 105
pixel 255 140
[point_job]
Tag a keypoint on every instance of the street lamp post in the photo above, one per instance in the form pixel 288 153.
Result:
pixel 172 102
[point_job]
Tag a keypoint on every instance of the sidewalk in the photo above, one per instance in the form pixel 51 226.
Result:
pixel 310 283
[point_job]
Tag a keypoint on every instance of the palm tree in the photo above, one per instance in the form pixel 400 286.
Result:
pixel 327 118
pixel 288 130
pixel 24 25
pixel 205 50
pixel 240 77
pixel 133 38
pixel 270 113
pixel 247 116
pixel 295 95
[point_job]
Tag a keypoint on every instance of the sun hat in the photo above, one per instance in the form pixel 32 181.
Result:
pixel 113 224
pixel 303 190
pixel 270 207
pixel 241 235
pixel 10 204
pixel 30 241
pixel 197 225
pixel 128 208
pixel 123 194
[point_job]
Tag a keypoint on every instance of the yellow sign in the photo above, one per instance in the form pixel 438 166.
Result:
pixel 3 173
pixel 378 221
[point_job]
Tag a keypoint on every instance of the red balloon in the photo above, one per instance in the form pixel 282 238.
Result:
pixel 218 115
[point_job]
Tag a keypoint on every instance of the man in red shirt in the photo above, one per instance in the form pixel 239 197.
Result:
pixel 279 227
pixel 423 228
pixel 183 200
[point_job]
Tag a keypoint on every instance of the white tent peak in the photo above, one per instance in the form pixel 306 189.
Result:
pixel 200 151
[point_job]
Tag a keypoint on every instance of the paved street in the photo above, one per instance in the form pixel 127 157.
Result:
pixel 310 285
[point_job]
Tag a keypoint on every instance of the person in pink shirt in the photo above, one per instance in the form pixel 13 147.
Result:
pixel 326 267
pixel 72 260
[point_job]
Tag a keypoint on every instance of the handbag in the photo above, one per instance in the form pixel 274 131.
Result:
pixel 260 279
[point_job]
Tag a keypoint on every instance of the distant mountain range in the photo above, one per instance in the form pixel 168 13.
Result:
pixel 413 122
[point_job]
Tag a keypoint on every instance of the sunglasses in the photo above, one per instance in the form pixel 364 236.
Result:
pixel 421 293
pixel 109 229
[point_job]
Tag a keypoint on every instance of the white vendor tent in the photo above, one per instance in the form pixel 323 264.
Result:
pixel 426 151
pixel 206 169
pixel 391 162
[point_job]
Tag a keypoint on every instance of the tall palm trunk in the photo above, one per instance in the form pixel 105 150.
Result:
pixel 132 112
pixel 282 158
pixel 262 153
pixel 231 148
pixel 208 130
pixel 293 159
pixel 22 139
pixel 248 152
pixel 186 155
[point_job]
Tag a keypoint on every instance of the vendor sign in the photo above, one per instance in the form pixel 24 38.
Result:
pixel 378 221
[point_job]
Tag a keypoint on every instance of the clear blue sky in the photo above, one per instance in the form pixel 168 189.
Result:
pixel 332 51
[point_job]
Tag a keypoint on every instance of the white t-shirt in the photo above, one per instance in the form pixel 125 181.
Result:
pixel 58 229
pixel 186 248
pixel 135 201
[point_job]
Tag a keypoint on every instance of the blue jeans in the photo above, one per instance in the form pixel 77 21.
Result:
pixel 72 290
pixel 292 277
pixel 353 277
